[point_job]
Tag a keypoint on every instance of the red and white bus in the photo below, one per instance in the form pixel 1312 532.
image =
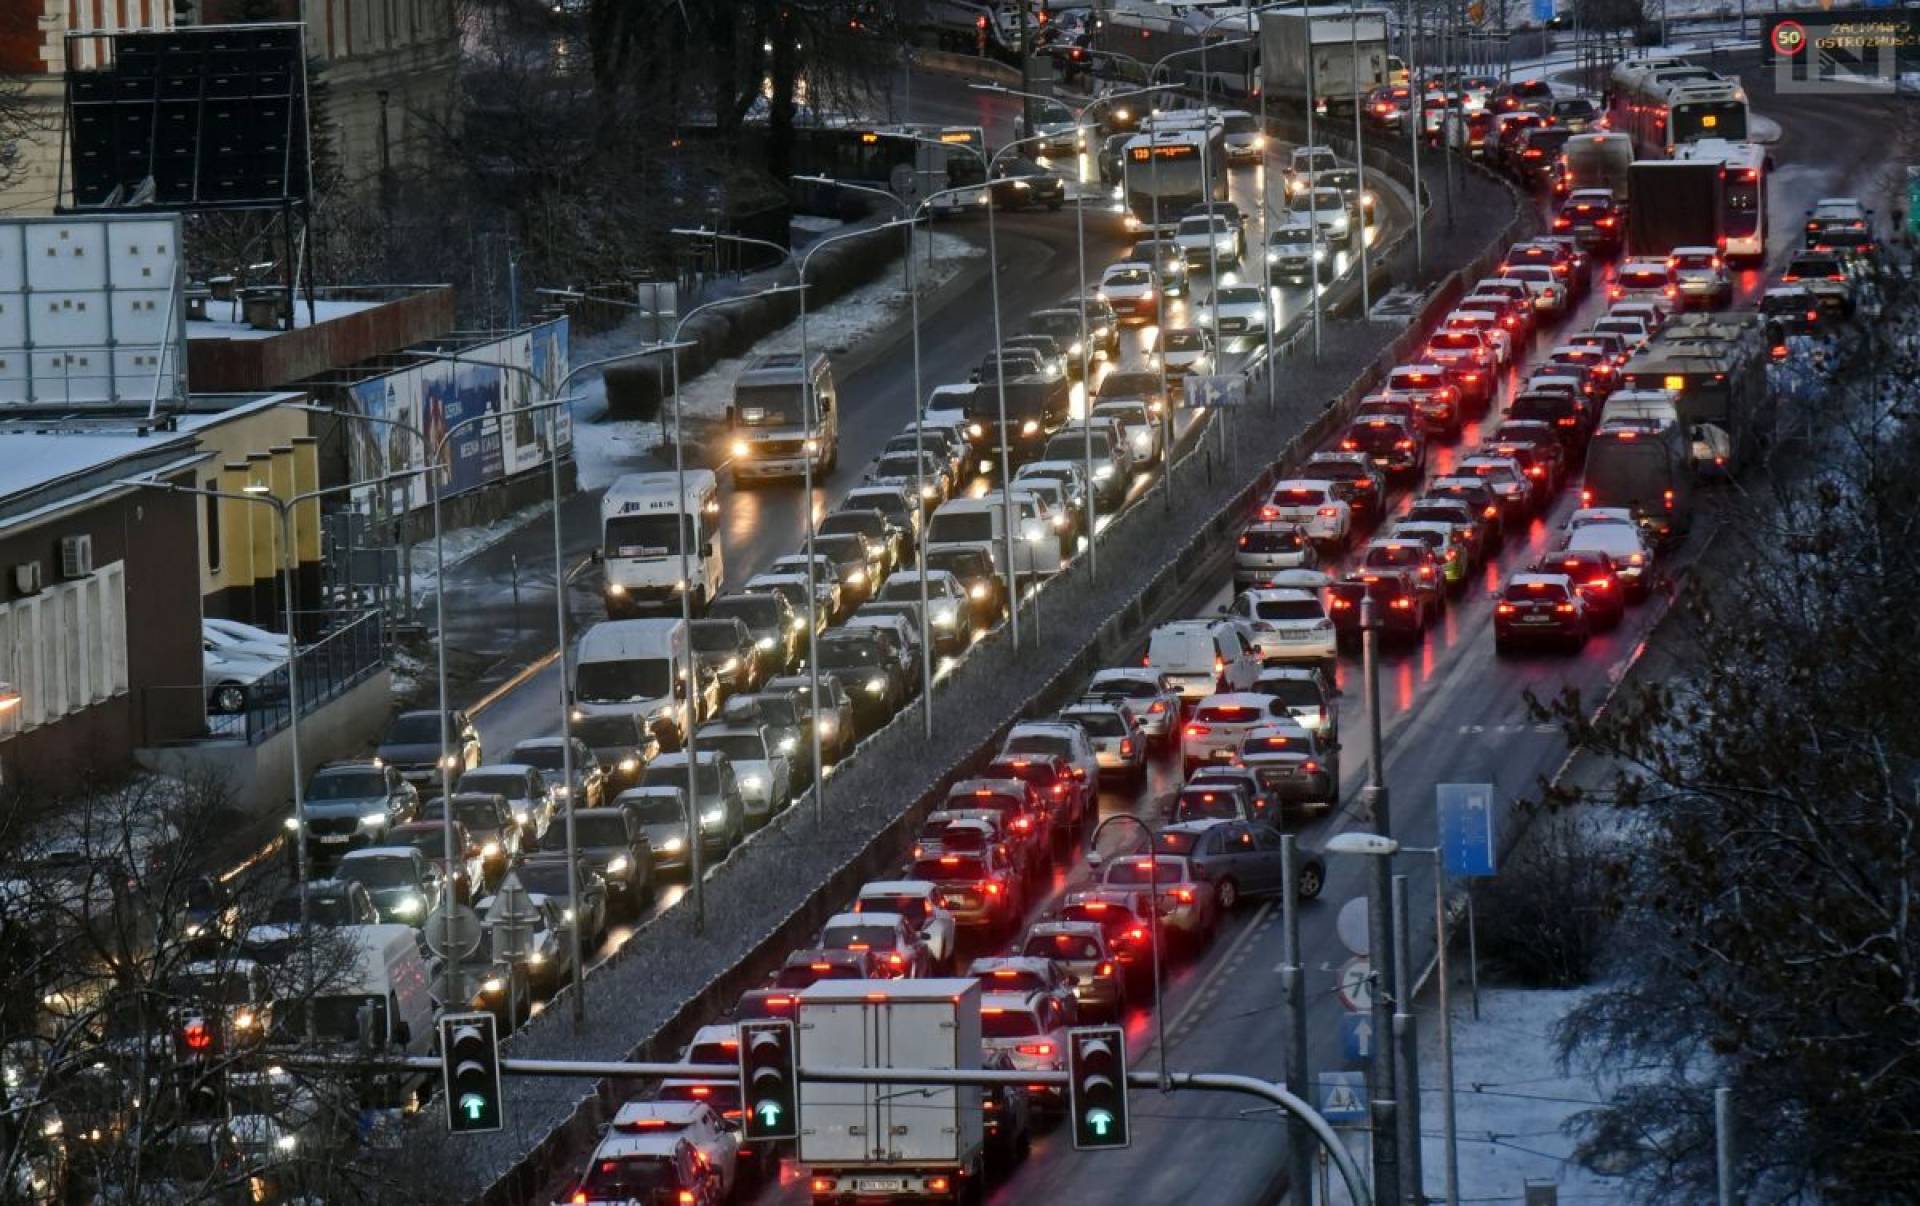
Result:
pixel 1745 218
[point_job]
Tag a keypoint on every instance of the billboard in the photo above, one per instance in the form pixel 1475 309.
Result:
pixel 1843 45
pixel 473 413
pixel 90 311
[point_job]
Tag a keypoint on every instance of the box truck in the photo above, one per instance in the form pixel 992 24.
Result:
pixel 1676 203
pixel 1349 54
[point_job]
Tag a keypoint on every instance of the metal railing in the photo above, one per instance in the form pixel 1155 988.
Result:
pixel 350 653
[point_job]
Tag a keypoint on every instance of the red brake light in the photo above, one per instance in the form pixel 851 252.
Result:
pixel 1184 895
pixel 686 1197
pixel 1329 512
pixel 1036 1048
pixel 1267 512
pixel 1159 706
pixel 1669 499
pixel 1564 608
pixel 1105 969
pixel 1586 498
pixel 1505 609
pixel 1198 730
pixel 1402 604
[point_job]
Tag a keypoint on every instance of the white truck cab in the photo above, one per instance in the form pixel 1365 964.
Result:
pixel 636 668
pixel 644 520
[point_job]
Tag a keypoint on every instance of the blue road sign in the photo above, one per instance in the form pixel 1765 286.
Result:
pixel 1543 10
pixel 1343 1096
pixel 1356 1037
pixel 1221 391
pixel 1466 828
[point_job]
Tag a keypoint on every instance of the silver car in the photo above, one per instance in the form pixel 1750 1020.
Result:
pixel 1154 700
pixel 1118 744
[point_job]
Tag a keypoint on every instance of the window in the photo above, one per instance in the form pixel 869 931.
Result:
pixel 65 648
pixel 211 508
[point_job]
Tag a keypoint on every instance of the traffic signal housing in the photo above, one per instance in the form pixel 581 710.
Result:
pixel 470 1068
pixel 198 1034
pixel 770 1079
pixel 1097 1087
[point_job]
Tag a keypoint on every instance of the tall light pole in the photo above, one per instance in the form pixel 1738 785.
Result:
pixel 1360 152
pixel 260 493
pixel 1387 1157
pixel 1383 849
pixel 1416 102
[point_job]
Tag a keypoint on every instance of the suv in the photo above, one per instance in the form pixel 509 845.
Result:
pixel 355 804
pixel 1823 274
pixel 1399 608
pixel 1539 607
pixel 412 744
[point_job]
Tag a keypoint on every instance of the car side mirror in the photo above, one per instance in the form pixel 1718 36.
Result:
pixel 402 1033
pixel 596 556
pixel 680 690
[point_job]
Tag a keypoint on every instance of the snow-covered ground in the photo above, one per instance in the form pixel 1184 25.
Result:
pixel 605 450
pixel 462 543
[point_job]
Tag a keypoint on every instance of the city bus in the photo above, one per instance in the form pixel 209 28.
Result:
pixel 1170 171
pixel 1664 104
pixel 1745 219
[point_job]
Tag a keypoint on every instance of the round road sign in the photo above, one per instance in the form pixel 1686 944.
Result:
pixel 1789 38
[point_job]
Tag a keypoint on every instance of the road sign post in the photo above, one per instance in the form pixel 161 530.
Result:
pixel 470 1069
pixel 1343 1098
pixel 1223 392
pixel 1466 829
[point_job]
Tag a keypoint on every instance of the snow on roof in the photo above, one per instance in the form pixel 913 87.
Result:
pixel 226 320
pixel 40 468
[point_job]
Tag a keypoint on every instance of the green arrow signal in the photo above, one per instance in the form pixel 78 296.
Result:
pixel 473 1106
pixel 1100 1122
pixel 769 1112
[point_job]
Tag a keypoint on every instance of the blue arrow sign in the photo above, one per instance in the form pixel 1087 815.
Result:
pixel 1218 391
pixel 1466 828
pixel 1343 1096
pixel 1356 1037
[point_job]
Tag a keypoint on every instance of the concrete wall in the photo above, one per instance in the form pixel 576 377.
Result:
pixel 260 777
pixel 279 360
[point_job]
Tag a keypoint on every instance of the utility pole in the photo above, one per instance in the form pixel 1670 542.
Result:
pixel 1406 1063
pixel 1374 806
pixel 1293 994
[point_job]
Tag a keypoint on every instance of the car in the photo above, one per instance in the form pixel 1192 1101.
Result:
pixel 1550 293
pixel 1212 800
pixel 1632 329
pixel 1443 541
pixel 1593 576
pixel 1480 499
pixel 1168 262
pixel 1187 350
pixel 1535 608
pixel 980 889
pixel 919 904
pixel 234 677
pixel 1538 465
pixel 1354 479
pixel 354 804
pixel 1534 155
pixel 1700 277
pixel 1294 255
pixel 717 1141
pixel 761 768
pixel 1204 657
pixel 525 790
pixel 1602 369
pixel 412 742
pixel 948 613
pixel 1099 441
pixel 1149 695
pixel 1081 950
pixel 1213 732
pixel 897 951
pixel 1468 360
pixel 930 471
pixel 1132 288
pixel 1793 308
pixel 1641 277
pixel 549 943
pixel 1288 625
pixel 1400 608
pixel 1062 794
pixel 1302 163
pixel 716 795
pixel 1508 481
pixel 1020 183
pixel 1208 239
pixel 1055 362
pixel 1240 860
pixel 1187 904
pixel 868 668
pixel 1839 222
pixel 404 884
pixel 1652 311
pixel 661 813
pixel 1308 692
pixel 834 718
pixel 1029 1030
pixel 1486 323
pixel 623 743
pixel 1594 219
pixel 1293 766
pixel 547 874
pixel 469 871
pixel 1326 209
pixel 1050 738
pixel 1134 385
pixel 1117 741
pixel 995 817
pixel 1823 274
pixel 1142 428
pixel 1435 396
pixel 1263 548
pixel 647 1168
pixel 1235 310
pixel 1313 506
pixel 1577 114
pixel 491 830
pixel 810 965
pixel 550 755
pixel 1624 546
pixel 1396 446
pixel 1023 974
pixel 1100 342
pixel 614 844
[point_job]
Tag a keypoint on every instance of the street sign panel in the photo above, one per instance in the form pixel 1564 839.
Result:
pixel 1351 925
pixel 1466 828
pixel 1356 985
pixel 1356 1037
pixel 1222 391
pixel 453 935
pixel 1343 1096
pixel 1543 10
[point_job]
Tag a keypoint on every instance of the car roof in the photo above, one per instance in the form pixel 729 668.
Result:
pixel 1236 699
pixel 1008 1001
pixel 881 918
pixel 1063 926
pixel 1032 963
pixel 896 887
pixel 1191 827
pixel 366 852
pixel 1280 594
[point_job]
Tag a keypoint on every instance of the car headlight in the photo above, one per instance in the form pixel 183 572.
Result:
pixel 977 591
pixel 616 590
pixel 944 619
pixel 788 744
pixel 1273 257
pixel 293 824
pixel 856 577
pixel 1075 348
pixel 812 446
pixel 536 959
pixel 374 820
pixel 1142 441
pixel 713 816
pixel 629 764
pixel 408 906
pixel 520 816
pixel 975 430
pixel 730 665
pixel 1103 473
pixel 493 986
pixel 679 586
pixel 764 643
pixel 619 863
pixel 877 685
pixel 379 763
pixel 1319 253
pixel 929 491
pixel 490 850
pixel 741 448
pixel 827 725
pixel 450 761
pixel 1022 185
pixel 243 1019
pixel 562 790
pixel 753 783
pixel 1030 427
pixel 567 916
pixel 799 623
pixel 192 930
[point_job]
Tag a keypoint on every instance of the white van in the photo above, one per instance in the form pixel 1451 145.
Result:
pixel 1205 657
pixel 380 997
pixel 981 523
pixel 643 520
pixel 773 434
pixel 636 668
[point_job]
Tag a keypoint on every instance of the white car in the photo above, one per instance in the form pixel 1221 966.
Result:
pixel 1700 275
pixel 1030 1027
pixel 1632 557
pixel 1586 515
pixel 1488 324
pixel 1187 350
pixel 1129 288
pixel 1548 290
pixel 229 676
pixel 946 600
pixel 1055 737
pixel 1235 310
pixel 695 1121
pixel 1305 691
pixel 918 902
pixel 1629 327
pixel 1288 625
pixel 1327 209
pixel 1154 702
pixel 1311 504
pixel 244 640
pixel 1213 732
pixel 1191 236
pixel 1641 278
pixel 1118 743
pixel 1140 426
pixel 947 406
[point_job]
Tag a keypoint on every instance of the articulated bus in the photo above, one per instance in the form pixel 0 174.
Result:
pixel 1745 219
pixel 1662 104
pixel 1168 172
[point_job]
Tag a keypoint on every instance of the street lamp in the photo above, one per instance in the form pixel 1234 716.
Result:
pixel 1094 859
pixel 261 494
pixel 1373 845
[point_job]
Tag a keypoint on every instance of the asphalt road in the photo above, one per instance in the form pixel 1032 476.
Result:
pixel 1453 712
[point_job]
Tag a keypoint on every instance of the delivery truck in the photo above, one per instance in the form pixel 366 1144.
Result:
pixel 871 1143
pixel 1348 59
pixel 1676 203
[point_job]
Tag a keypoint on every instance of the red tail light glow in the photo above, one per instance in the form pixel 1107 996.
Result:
pixel 1504 609
pixel 1035 1048
pixel 1402 604
pixel 1586 498
pixel 1198 730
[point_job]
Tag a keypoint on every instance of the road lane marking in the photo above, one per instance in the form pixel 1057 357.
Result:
pixel 1202 993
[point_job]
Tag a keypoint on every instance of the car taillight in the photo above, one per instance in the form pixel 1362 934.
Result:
pixel 1219 664
pixel 1269 513
pixel 1601 584
pixel 1105 969
pixel 1349 445
pixel 1136 934
pixel 1183 895
pixel 686 1197
pixel 1324 513
pixel 1198 730
pixel 1402 604
pixel 1126 747
pixel 1310 766
pixel 825 1184
pixel 1564 608
pixel 1159 706
pixel 1341 604
pixel 1426 571
pixel 1668 495
pixel 1536 471
pixel 993 889
pixel 1672 291
pixel 1504 609
pixel 1035 1048
pixel 896 959
pixel 1022 824
pixel 1609 222
pixel 1563 223
pixel 1586 498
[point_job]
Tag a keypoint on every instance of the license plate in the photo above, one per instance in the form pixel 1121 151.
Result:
pixel 1536 619
pixel 879 1185
pixel 1295 636
pixel 334 838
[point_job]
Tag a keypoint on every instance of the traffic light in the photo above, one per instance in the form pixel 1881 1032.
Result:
pixel 197 1034
pixel 1097 1086
pixel 769 1079
pixel 470 1067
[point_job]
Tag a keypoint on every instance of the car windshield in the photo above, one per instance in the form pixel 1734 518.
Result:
pixel 1241 123
pixel 1200 803
pixel 606 732
pixel 1293 692
pixel 1695 259
pixel 851 655
pixel 1176 842
pixel 545 756
pixel 1101 724
pixel 630 1177
pixel 1270 540
pixel 326 908
pixel 512 786
pixel 899 465
pixel 1643 277
pixel 414 728
pixel 379 872
pixel 645 535
pixel 996 1023
pixel 755 611
pixel 706 781
pixel 1128 276
pixel 860 937
pixel 1062 946
pixel 547 877
pixel 627 680
pixel 430 840
pixel 599 829
pixel 948 867
pixel 1454 340
pixel 961 563
pixel 911 907
pixel 1038 743
pixel 1201 223
pixel 715 638
pixel 1410 553
pixel 951 527
pixel 347 785
pixel 1238 296
pixel 656 810
pixel 738 747
pixel 478 813
pixel 1287 609
pixel 1186 341
pixel 1299 496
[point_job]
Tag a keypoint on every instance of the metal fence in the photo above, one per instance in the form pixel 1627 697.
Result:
pixel 349 654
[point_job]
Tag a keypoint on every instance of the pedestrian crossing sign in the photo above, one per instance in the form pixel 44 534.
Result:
pixel 1343 1096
